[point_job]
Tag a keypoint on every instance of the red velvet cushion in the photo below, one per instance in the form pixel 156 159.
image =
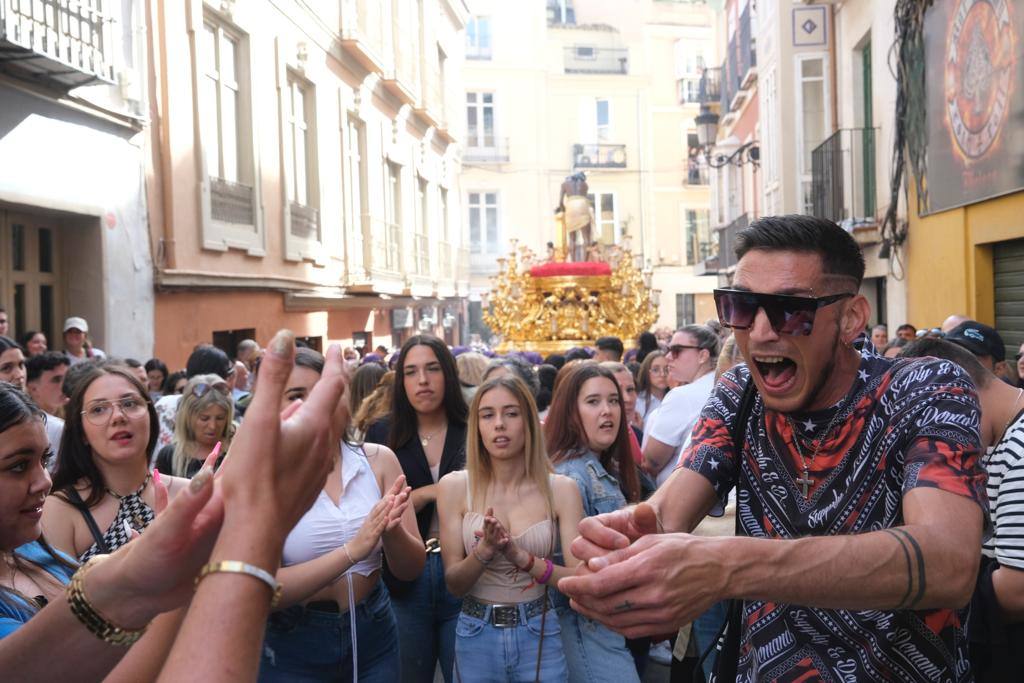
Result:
pixel 581 268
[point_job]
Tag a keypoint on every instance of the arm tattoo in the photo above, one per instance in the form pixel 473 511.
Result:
pixel 910 546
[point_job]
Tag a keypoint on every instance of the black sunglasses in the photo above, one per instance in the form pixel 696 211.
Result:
pixel 677 349
pixel 793 315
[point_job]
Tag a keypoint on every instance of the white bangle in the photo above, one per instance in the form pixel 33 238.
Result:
pixel 351 562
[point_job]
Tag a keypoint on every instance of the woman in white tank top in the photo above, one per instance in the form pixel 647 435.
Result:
pixel 500 519
pixel 332 561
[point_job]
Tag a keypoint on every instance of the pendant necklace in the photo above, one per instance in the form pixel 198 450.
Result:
pixel 805 480
pixel 424 440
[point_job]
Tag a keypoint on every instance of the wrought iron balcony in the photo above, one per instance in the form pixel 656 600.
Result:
pixel 586 59
pixel 696 173
pixel 843 183
pixel 710 85
pixel 599 156
pixel 726 257
pixel 740 66
pixel 305 221
pixel 66 43
pixel 494 153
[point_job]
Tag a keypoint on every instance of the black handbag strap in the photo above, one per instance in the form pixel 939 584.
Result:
pixel 76 500
pixel 728 639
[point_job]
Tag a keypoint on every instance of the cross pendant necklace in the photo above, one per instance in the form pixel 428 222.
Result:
pixel 804 480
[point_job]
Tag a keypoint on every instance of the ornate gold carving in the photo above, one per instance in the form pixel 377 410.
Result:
pixel 549 314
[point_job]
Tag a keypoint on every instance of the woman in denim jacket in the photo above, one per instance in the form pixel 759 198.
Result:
pixel 588 442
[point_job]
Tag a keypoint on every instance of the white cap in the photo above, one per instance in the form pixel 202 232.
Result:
pixel 74 323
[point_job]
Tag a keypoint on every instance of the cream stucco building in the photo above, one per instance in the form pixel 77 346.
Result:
pixel 603 87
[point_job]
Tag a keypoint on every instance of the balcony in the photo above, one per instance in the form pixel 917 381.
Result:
pixel 725 260
pixel 586 59
pixel 598 156
pixel 305 221
pixel 385 241
pixel 495 153
pixel 843 184
pixel 364 32
pixel 739 70
pixel 696 173
pixel 63 43
pixel 431 104
pixel 444 261
pixel 710 91
pixel 421 257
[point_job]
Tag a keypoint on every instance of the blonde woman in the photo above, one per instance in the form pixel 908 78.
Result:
pixel 499 519
pixel 205 416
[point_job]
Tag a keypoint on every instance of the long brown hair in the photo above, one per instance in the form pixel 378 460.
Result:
pixel 567 438
pixel 404 422
pixel 75 462
pixel 643 380
pixel 478 460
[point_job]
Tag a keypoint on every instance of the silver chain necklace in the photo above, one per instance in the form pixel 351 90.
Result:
pixel 805 479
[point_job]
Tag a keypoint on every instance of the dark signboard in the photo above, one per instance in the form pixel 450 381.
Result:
pixel 974 76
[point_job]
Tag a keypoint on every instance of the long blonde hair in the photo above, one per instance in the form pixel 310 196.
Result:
pixel 478 460
pixel 190 406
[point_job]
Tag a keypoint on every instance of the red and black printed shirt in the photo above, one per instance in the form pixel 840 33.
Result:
pixel 904 424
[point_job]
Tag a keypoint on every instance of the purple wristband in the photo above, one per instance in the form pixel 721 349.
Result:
pixel 547 571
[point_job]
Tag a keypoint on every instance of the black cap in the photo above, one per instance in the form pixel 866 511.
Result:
pixel 979 339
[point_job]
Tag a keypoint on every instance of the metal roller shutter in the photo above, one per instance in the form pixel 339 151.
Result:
pixel 1008 268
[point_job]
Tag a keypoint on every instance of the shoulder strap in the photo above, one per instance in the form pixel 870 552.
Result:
pixel 83 509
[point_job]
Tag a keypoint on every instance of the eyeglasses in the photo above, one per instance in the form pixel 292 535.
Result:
pixel 793 315
pixel 202 388
pixel 659 371
pixel 677 349
pixel 100 413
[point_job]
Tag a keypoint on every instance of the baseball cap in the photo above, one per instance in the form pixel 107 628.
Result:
pixel 76 323
pixel 979 339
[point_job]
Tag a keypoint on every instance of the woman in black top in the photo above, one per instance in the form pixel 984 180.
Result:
pixel 427 431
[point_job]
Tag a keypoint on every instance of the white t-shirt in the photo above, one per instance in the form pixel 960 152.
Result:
pixel 1005 466
pixel 54 432
pixel 675 418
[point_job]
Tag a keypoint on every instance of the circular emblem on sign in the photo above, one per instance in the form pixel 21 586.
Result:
pixel 980 68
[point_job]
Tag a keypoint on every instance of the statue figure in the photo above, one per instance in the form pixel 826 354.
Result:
pixel 575 217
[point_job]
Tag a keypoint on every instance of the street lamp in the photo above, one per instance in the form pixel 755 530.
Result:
pixel 707 133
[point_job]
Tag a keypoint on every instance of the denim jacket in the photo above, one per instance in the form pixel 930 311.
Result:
pixel 599 489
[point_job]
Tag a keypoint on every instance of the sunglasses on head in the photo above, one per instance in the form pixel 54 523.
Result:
pixel 792 315
pixel 202 388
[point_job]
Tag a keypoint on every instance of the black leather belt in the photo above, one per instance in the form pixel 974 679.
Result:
pixel 502 616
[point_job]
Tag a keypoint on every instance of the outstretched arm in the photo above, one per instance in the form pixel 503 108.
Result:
pixel 667 580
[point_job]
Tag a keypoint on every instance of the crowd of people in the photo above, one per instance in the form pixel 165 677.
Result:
pixel 781 493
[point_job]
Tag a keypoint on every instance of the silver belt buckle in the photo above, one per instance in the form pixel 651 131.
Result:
pixel 505 616
pixel 433 545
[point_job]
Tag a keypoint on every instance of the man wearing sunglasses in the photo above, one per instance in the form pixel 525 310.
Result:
pixel 860 495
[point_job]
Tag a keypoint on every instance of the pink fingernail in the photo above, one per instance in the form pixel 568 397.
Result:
pixel 216 450
pixel 156 476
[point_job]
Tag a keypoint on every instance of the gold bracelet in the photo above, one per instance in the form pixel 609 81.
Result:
pixel 236 567
pixel 96 623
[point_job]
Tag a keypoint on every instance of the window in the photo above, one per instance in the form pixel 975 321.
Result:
pixel 604 120
pixel 354 188
pixel 585 52
pixel 228 191
pixel 700 244
pixel 300 133
pixel 393 217
pixel 812 127
pixel 422 246
pixel 561 12
pixel 685 310
pixel 483 222
pixel 480 119
pixel 478 38
pixel 606 225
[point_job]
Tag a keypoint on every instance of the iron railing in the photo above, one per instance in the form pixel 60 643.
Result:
pixel 696 173
pixel 739 60
pixel 843 184
pixel 70 43
pixel 495 153
pixel 305 221
pixel 599 156
pixel 421 257
pixel 726 257
pixel 586 59
pixel 710 85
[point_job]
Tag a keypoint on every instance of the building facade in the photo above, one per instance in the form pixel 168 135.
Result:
pixel 73 226
pixel 594 86
pixel 304 172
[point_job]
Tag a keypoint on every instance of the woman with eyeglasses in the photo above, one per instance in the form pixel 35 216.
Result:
pixel 500 519
pixel 692 355
pixel 427 431
pixel 102 487
pixel 651 385
pixel 587 438
pixel 205 416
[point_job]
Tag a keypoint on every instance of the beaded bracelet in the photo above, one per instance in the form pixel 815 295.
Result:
pixel 548 571
pixel 96 623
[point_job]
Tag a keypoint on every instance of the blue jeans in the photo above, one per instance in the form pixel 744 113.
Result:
pixel 426 624
pixel 485 653
pixel 595 653
pixel 705 630
pixel 308 645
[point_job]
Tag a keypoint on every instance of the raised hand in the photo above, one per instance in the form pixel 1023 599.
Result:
pixel 373 526
pixel 402 495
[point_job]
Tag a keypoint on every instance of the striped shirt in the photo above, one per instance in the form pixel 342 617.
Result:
pixel 1005 466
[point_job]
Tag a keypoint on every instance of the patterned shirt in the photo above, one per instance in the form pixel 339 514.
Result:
pixel 904 424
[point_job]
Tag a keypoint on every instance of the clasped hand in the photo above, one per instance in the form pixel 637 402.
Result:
pixel 640 582
pixel 494 538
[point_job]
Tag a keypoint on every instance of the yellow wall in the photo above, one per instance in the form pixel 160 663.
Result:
pixel 949 259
